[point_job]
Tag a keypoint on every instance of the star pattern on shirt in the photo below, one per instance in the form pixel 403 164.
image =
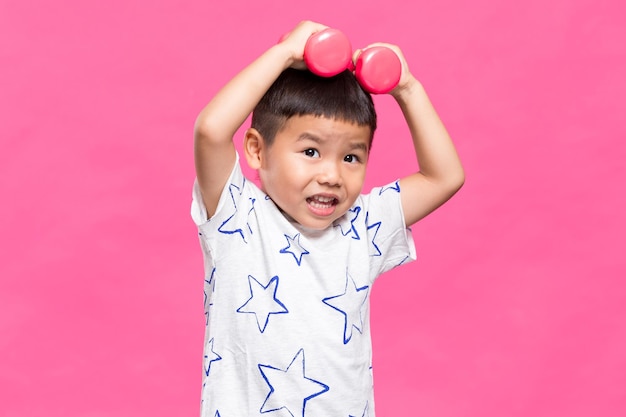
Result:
pixel 208 284
pixel 290 388
pixel 350 303
pixel 210 357
pixel 374 249
pixel 406 258
pixel 365 412
pixel 395 187
pixel 354 212
pixel 230 226
pixel 295 248
pixel 263 302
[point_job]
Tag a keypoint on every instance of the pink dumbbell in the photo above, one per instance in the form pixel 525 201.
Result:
pixel 378 69
pixel 329 52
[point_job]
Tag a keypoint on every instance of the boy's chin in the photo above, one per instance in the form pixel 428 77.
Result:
pixel 315 225
pixel 312 224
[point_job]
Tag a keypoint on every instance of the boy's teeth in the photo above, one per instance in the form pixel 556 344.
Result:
pixel 323 199
pixel 318 199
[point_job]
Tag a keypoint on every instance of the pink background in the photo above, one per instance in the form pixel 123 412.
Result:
pixel 517 306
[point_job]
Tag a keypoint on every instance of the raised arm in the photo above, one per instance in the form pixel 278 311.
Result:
pixel 214 151
pixel 440 171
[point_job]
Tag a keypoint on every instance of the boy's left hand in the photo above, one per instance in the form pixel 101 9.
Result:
pixel 440 172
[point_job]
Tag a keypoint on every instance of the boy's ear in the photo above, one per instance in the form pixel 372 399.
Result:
pixel 253 145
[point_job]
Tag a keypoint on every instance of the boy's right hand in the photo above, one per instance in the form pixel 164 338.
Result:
pixel 296 39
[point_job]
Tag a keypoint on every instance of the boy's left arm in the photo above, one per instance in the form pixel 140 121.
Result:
pixel 440 174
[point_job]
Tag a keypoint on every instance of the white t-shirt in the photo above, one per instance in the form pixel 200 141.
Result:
pixel 287 308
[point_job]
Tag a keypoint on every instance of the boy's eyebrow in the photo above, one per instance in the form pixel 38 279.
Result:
pixel 309 136
pixel 353 145
pixel 359 146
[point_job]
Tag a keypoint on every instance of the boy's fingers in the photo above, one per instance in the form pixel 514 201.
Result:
pixel 355 56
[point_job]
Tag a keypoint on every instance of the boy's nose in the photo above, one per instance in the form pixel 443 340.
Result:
pixel 330 174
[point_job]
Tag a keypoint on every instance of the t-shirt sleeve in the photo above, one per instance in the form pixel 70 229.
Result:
pixel 199 211
pixel 390 240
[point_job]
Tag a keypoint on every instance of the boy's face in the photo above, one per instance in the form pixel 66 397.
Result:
pixel 315 168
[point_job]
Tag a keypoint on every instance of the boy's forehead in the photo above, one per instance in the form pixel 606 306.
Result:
pixel 320 127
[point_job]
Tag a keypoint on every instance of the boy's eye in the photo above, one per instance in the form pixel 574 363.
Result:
pixel 351 159
pixel 312 153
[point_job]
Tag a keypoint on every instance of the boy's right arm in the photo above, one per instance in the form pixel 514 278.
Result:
pixel 214 151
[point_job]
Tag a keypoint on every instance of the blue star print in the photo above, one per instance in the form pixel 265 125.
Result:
pixel 263 301
pixel 395 187
pixel 352 231
pixel 228 226
pixel 350 304
pixel 209 360
pixel 374 249
pixel 365 412
pixel 403 260
pixel 290 389
pixel 208 284
pixel 295 248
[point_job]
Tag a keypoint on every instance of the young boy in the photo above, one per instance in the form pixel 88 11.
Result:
pixel 290 266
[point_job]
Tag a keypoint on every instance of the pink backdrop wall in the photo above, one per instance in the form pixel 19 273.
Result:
pixel 517 304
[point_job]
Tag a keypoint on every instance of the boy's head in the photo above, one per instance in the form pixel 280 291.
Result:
pixel 301 93
pixel 309 142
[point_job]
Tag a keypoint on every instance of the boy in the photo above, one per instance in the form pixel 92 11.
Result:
pixel 289 267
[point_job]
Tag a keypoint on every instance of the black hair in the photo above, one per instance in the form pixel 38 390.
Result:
pixel 300 93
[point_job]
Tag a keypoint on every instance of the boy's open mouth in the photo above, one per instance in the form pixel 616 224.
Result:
pixel 320 201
